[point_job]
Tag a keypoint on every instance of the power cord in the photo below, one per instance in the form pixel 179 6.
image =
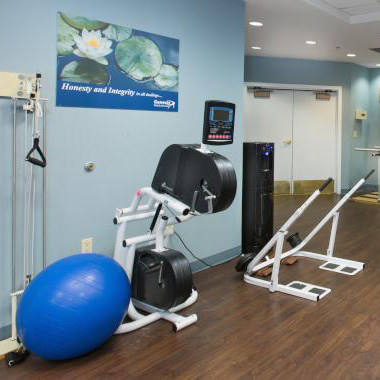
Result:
pixel 191 253
pixel 197 258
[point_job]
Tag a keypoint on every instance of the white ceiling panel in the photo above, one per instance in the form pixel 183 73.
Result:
pixel 362 9
pixel 289 23
pixel 351 11
pixel 349 3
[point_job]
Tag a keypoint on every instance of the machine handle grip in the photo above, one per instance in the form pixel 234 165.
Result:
pixel 36 161
pixel 325 184
pixel 194 201
pixel 154 221
pixel 369 174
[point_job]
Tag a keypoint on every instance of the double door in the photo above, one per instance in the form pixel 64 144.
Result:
pixel 304 130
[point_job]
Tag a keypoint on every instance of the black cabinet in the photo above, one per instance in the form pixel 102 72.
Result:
pixel 258 189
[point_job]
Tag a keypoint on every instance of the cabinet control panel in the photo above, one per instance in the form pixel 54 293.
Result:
pixel 266 149
pixel 219 123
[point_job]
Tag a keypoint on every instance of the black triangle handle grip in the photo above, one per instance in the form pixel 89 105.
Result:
pixel 325 184
pixel 35 161
pixel 369 174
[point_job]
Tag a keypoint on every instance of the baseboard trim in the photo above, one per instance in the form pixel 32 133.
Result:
pixel 219 258
pixel 363 189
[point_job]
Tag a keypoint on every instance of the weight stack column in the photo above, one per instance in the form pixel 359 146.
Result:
pixel 258 190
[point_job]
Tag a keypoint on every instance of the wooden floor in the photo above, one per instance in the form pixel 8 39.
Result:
pixel 245 332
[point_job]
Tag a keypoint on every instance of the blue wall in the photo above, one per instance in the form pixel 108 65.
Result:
pixel 355 82
pixel 125 145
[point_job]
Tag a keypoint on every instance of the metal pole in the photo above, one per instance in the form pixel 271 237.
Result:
pixel 334 228
pixel 44 191
pixel 14 195
pixel 277 261
pixel 25 204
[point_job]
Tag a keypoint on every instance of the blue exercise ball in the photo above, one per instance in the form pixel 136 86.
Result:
pixel 73 306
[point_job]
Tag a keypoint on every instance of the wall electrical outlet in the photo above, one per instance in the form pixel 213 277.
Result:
pixel 86 245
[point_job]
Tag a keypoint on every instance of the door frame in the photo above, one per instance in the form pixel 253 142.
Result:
pixel 339 116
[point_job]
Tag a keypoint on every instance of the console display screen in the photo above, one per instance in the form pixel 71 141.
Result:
pixel 222 115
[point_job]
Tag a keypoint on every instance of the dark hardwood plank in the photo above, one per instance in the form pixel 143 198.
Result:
pixel 245 332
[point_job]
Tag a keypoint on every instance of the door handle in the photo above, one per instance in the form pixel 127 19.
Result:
pixel 287 142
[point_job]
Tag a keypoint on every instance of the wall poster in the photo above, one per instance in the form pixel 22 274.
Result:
pixel 102 65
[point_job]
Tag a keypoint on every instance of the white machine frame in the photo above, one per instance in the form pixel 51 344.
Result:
pixel 331 263
pixel 125 249
pixel 11 344
pixel 24 88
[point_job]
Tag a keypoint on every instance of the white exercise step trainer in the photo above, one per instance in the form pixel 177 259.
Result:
pixel 331 263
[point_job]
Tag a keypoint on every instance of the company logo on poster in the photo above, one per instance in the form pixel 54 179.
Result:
pixel 164 104
pixel 101 65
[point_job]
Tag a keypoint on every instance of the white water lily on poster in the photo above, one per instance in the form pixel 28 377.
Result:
pixel 102 65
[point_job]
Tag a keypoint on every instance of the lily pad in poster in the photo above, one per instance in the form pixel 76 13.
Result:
pixel 83 22
pixel 139 57
pixel 66 35
pixel 84 72
pixel 167 77
pixel 118 33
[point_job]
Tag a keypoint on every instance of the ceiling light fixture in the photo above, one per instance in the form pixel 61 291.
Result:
pixel 256 47
pixel 256 23
pixel 351 55
pixel 309 42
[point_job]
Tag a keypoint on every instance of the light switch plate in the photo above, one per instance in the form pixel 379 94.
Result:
pixel 360 114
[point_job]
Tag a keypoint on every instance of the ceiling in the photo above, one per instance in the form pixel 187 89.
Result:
pixel 339 27
pixel 351 11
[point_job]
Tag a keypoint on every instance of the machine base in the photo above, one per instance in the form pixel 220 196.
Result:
pixel 306 290
pixel 178 321
pixel 8 345
pixel 342 268
pixel 335 264
pixel 295 288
